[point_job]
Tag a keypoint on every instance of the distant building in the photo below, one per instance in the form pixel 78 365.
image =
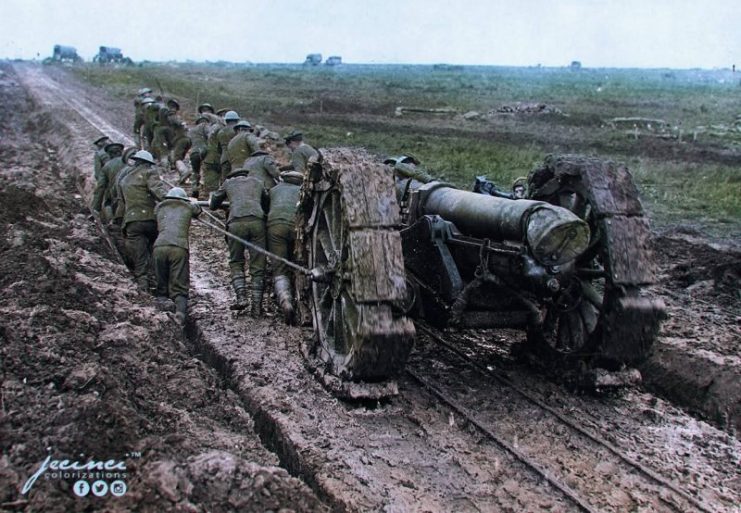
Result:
pixel 575 65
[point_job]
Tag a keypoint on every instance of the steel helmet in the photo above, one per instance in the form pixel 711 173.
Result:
pixel 147 100
pixel 176 192
pixel 231 116
pixel 144 156
pixel 243 124
pixel 205 106
pixel 144 90
pixel 292 177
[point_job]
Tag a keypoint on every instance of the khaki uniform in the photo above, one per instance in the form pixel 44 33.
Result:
pixel 212 171
pixel 198 136
pixel 140 189
pixel 103 188
pixel 151 122
pixel 402 170
pixel 140 118
pixel 261 165
pixel 282 223
pixel 100 158
pixel 300 157
pixel 240 147
pixel 171 251
pixel 178 136
pixel 247 201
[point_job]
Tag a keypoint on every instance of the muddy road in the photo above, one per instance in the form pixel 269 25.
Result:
pixel 226 416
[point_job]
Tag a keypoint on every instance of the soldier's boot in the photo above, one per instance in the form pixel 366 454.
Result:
pixel 282 287
pixel 138 141
pixel 256 302
pixel 143 283
pixel 240 291
pixel 183 171
pixel 181 309
pixel 195 192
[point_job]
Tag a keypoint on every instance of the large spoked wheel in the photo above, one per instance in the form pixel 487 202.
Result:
pixel 335 312
pixel 354 245
pixel 601 314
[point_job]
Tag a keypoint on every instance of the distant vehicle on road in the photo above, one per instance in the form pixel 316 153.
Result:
pixel 108 54
pixel 313 59
pixel 65 54
pixel 334 60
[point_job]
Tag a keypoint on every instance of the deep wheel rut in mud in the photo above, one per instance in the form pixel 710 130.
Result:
pixel 414 452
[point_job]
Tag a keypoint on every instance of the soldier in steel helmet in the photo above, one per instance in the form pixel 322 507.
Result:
pixel 141 188
pixel 105 178
pixel 171 250
pixel 198 135
pixel 281 235
pixel 300 153
pixel 217 143
pixel 241 146
pixel 262 165
pixel 139 113
pixel 178 139
pixel 519 188
pixel 248 200
pixel 406 166
pixel 100 157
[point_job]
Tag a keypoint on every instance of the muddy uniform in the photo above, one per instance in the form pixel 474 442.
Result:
pixel 99 160
pixel 141 188
pixel 403 170
pixel 247 201
pixel 140 118
pixel 281 223
pixel 240 147
pixel 198 136
pixel 178 136
pixel 103 188
pixel 212 171
pixel 223 138
pixel 151 121
pixel 261 165
pixel 161 142
pixel 171 256
pixel 300 157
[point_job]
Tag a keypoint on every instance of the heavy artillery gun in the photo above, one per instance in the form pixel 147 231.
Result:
pixel 568 265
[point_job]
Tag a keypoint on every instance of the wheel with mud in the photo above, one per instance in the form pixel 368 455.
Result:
pixel 351 238
pixel 603 313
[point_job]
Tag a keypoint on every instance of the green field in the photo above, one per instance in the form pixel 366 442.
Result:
pixel 689 172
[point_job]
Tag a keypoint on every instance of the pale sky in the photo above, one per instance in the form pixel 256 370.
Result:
pixel 599 33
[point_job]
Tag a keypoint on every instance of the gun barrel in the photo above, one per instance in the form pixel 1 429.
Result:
pixel 555 235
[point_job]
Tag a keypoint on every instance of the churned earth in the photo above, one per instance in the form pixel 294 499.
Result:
pixel 224 416
pixel 90 369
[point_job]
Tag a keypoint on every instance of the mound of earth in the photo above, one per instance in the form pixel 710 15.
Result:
pixel 91 370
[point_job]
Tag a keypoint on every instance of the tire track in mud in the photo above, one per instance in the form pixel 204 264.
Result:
pixel 407 455
pixel 397 457
pixel 609 474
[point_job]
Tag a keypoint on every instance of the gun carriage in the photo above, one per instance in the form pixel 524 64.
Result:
pixel 568 265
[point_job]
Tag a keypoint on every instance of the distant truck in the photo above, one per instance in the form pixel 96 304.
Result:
pixel 333 60
pixel 65 54
pixel 313 59
pixel 108 54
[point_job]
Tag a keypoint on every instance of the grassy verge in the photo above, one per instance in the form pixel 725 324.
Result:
pixel 702 193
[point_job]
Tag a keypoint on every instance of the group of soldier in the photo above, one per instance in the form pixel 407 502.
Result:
pixel 230 161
